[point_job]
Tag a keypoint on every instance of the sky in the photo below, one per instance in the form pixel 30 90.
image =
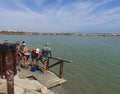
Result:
pixel 64 16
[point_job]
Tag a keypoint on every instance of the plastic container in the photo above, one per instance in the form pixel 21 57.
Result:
pixel 33 69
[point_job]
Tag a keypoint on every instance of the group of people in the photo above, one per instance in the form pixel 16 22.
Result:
pixel 36 54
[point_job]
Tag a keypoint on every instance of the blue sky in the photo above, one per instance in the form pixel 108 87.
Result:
pixel 81 16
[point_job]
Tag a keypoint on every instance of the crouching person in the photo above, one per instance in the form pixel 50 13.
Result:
pixel 35 56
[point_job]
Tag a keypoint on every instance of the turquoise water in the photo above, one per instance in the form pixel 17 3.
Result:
pixel 95 67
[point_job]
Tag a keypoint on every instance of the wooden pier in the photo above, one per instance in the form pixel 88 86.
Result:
pixel 48 79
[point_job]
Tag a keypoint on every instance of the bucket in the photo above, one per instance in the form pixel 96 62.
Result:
pixel 33 69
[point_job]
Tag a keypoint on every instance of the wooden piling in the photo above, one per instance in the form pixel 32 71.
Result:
pixel 8 65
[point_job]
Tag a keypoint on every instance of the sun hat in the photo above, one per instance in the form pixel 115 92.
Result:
pixel 37 50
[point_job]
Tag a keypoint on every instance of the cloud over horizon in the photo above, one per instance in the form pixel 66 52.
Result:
pixel 60 15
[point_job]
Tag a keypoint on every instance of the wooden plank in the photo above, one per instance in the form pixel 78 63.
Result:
pixel 56 82
pixel 48 79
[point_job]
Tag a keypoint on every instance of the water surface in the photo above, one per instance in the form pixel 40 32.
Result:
pixel 95 67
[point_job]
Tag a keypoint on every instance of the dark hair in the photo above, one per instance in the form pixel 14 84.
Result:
pixel 23 42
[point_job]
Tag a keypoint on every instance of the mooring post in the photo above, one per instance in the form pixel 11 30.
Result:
pixel 61 69
pixel 8 65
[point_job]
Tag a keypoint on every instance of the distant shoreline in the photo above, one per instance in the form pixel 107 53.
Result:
pixel 65 34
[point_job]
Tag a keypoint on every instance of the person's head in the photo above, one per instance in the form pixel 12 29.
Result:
pixel 47 44
pixel 37 50
pixel 17 43
pixel 24 44
pixel 6 41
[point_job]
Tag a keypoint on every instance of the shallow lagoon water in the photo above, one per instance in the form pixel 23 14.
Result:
pixel 95 67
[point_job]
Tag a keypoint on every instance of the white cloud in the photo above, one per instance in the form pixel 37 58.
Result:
pixel 71 16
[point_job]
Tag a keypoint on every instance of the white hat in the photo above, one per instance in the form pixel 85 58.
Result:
pixel 37 50
pixel 24 44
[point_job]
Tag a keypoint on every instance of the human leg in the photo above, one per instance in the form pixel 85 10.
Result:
pixel 45 63
pixel 37 64
pixel 26 61
pixel 32 62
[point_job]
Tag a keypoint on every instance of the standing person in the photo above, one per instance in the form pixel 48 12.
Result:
pixel 21 46
pixel 35 55
pixel 26 53
pixel 18 54
pixel 21 50
pixel 46 52
pixel 17 50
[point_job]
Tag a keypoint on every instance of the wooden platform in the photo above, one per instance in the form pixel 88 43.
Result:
pixel 48 79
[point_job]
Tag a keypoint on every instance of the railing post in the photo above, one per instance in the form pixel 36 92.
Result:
pixel 60 61
pixel 61 69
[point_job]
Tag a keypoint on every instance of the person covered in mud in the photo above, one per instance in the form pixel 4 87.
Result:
pixel 35 55
pixel 46 52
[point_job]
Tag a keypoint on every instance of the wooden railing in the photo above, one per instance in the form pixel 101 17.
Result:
pixel 59 61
